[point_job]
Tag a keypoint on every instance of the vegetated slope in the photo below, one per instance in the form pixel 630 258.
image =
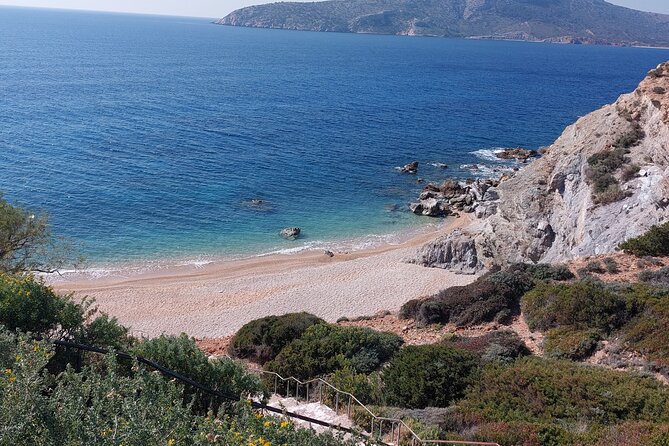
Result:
pixel 605 180
pixel 568 21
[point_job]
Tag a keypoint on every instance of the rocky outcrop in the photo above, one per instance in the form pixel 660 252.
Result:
pixel 452 197
pixel 412 167
pixel 553 211
pixel 290 233
pixel 518 154
pixel 455 252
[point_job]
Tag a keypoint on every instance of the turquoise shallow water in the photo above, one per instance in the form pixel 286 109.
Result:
pixel 145 137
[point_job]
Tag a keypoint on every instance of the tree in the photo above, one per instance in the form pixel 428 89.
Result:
pixel 26 242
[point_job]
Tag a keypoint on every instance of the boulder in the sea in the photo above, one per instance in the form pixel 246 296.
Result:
pixel 290 233
pixel 412 167
pixel 440 165
pixel 519 154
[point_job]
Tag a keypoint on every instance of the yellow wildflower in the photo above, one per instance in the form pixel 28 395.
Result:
pixel 259 415
pixel 266 424
pixel 285 424
pixel 170 442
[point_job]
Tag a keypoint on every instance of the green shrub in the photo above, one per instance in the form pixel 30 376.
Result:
pixel 503 345
pixel 611 265
pixel 582 305
pixel 366 388
pixel 635 434
pixel 428 375
pixel 520 433
pixel 492 297
pixel 114 408
pixel 594 266
pixel 654 243
pixel 660 276
pixel 648 333
pixel 182 355
pixel 262 339
pixel 536 390
pixel 325 348
pixel 567 343
pixel 28 305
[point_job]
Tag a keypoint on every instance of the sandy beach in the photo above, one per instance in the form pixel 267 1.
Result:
pixel 216 299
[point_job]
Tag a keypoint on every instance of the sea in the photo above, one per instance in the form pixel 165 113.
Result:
pixel 147 138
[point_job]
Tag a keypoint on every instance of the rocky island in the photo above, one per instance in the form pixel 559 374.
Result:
pixel 558 21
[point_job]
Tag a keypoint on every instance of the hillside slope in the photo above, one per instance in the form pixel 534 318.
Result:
pixel 568 21
pixel 605 180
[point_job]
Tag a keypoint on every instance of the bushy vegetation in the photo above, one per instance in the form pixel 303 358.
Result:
pixel 106 406
pixel 603 166
pixel 182 355
pixel 658 277
pixel 611 265
pixel 492 297
pixel 26 242
pixel 569 343
pixel 653 243
pixel 581 305
pixel 648 333
pixel 325 348
pixel 502 345
pixel 262 339
pixel 367 388
pixel 536 390
pixel 428 375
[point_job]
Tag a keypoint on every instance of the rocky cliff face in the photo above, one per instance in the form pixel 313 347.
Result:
pixel 606 179
pixel 562 21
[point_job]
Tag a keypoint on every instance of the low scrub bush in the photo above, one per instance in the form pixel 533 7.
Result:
pixel 114 408
pixel 567 343
pixel 492 297
pixel 182 355
pixel 262 339
pixel 594 266
pixel 660 276
pixel 428 375
pixel 537 390
pixel 611 265
pixel 582 305
pixel 503 345
pixel 635 434
pixel 325 348
pixel 28 305
pixel 653 243
pixel 366 388
pixel 648 333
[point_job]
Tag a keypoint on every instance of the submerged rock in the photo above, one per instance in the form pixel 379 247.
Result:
pixel 290 233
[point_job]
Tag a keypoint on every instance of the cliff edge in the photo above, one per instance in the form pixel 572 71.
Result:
pixel 604 180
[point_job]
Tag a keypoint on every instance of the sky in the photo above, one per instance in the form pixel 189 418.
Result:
pixel 219 8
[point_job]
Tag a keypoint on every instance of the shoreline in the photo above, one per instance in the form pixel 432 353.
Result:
pixel 217 298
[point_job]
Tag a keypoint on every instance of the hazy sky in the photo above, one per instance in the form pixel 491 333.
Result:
pixel 219 8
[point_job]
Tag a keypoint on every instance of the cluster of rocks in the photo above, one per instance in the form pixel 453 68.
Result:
pixel 453 197
pixel 518 154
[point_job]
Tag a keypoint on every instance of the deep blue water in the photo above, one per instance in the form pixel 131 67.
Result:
pixel 143 136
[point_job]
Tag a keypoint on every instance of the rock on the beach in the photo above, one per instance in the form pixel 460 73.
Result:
pixel 290 233
pixel 430 207
pixel 412 167
pixel 455 252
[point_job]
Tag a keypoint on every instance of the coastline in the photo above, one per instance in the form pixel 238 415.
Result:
pixel 215 299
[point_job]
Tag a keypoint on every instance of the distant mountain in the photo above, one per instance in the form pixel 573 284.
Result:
pixel 566 21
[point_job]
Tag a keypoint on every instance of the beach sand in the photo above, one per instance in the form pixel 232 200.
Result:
pixel 216 299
